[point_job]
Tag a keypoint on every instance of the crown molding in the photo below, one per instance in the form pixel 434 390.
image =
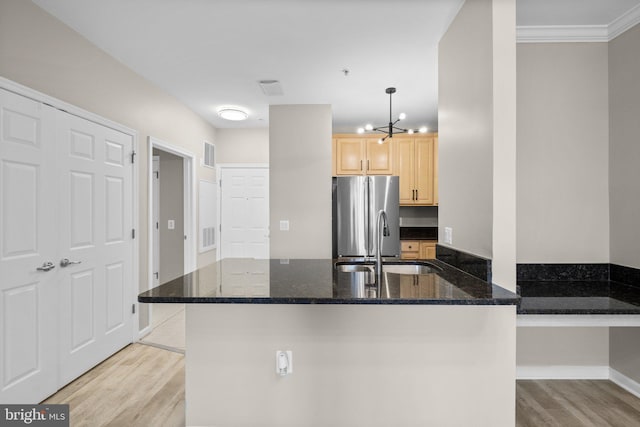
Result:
pixel 562 33
pixel 579 33
pixel 624 22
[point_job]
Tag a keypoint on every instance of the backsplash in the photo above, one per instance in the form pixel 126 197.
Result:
pixel 562 272
pixel 471 264
pixel 578 273
pixel 418 216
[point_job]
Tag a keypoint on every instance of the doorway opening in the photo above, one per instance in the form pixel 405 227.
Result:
pixel 171 232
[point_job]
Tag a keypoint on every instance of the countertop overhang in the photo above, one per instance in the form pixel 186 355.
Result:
pixel 316 281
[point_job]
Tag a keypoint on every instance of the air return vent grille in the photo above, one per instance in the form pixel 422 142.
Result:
pixel 209 158
pixel 208 237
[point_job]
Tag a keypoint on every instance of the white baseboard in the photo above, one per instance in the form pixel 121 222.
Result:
pixel 562 372
pixel 625 382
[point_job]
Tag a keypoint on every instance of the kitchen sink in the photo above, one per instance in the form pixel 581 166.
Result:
pixel 409 267
pixel 413 268
pixel 354 268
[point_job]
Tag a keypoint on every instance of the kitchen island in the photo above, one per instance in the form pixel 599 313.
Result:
pixel 414 350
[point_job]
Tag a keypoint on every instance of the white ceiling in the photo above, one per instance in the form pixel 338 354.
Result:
pixel 212 53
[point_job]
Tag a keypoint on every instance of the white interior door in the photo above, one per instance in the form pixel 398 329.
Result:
pixel 95 225
pixel 28 238
pixel 244 213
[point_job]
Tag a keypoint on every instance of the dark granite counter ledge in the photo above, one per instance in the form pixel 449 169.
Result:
pixel 315 281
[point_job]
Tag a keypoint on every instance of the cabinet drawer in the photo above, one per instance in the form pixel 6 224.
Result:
pixel 410 245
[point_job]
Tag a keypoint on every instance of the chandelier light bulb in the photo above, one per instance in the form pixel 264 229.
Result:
pixel 423 129
pixel 360 130
pixel 402 116
pixel 410 131
pixel 380 141
pixel 369 126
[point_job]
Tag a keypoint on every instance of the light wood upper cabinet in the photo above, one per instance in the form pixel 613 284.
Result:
pixel 435 170
pixel 415 165
pixel 379 157
pixel 361 155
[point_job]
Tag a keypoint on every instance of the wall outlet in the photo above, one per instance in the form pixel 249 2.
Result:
pixel 171 224
pixel 284 362
pixel 448 235
pixel 284 225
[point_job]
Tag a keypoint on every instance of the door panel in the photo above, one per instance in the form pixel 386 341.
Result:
pixel 28 297
pixel 245 213
pixel 66 192
pixel 94 222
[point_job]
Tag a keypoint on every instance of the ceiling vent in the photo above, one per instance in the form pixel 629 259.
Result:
pixel 271 87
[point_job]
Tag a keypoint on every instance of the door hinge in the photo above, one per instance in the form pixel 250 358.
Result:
pixel 157 225
pixel 133 309
pixel 157 174
pixel 133 156
pixel 133 233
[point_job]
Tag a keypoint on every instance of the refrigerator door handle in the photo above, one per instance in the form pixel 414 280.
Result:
pixel 367 243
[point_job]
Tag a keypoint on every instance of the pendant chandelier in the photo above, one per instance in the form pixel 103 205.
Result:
pixel 391 128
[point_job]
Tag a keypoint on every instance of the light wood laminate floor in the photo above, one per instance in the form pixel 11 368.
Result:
pixel 575 403
pixel 138 386
pixel 144 386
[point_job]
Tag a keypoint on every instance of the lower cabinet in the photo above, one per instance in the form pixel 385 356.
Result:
pixel 418 286
pixel 418 249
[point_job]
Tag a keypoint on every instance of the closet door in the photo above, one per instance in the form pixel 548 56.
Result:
pixel 95 224
pixel 28 239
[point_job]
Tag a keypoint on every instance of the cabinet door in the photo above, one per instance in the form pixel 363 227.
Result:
pixel 427 286
pixel 405 169
pixel 350 156
pixel 435 169
pixel 379 158
pixel 424 170
pixel 427 250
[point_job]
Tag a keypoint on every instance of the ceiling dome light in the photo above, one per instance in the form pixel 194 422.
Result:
pixel 360 130
pixel 234 114
pixel 410 131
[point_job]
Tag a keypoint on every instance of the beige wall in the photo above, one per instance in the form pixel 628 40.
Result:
pixel 624 184
pixel 300 180
pixel 353 365
pixel 624 148
pixel 503 266
pixel 560 349
pixel 476 124
pixel 465 134
pixel 242 145
pixel 38 51
pixel 562 156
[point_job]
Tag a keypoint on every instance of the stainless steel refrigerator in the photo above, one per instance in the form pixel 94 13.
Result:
pixel 356 202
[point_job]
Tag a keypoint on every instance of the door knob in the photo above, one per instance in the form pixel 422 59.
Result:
pixel 46 266
pixel 65 262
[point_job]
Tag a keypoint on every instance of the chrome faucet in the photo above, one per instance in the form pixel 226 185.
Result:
pixel 381 220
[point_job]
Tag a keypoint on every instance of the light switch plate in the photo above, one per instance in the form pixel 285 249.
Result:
pixel 284 225
pixel 448 235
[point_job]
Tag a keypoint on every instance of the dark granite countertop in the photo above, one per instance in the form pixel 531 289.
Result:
pixel 578 297
pixel 316 281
